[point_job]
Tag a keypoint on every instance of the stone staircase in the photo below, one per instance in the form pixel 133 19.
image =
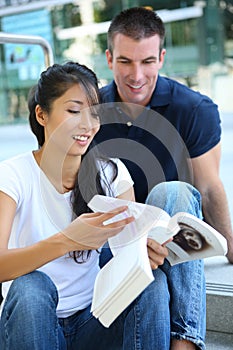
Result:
pixel 219 286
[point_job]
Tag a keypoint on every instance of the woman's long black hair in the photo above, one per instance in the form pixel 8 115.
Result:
pixel 53 83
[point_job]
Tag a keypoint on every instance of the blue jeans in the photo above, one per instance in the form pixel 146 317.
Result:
pixel 173 304
pixel 182 289
pixel 186 281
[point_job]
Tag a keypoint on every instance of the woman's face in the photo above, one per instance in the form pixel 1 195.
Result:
pixel 71 124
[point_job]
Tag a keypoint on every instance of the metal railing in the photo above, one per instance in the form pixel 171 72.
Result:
pixel 32 40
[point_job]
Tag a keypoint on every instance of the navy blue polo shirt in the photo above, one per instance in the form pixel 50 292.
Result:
pixel 158 141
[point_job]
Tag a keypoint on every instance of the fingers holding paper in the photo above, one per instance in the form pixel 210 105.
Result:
pixel 92 230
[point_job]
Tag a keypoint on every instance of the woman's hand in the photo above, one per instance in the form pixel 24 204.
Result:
pixel 89 231
pixel 156 252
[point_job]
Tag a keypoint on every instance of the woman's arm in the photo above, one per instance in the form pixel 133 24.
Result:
pixel 128 195
pixel 16 262
pixel 85 232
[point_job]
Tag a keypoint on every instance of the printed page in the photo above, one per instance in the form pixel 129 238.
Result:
pixel 146 216
pixel 195 240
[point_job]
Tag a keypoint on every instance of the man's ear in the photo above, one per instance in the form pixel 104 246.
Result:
pixel 41 116
pixel 109 58
pixel 161 58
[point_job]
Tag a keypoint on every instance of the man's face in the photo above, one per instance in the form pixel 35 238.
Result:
pixel 135 66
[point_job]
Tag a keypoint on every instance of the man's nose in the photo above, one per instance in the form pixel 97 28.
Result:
pixel 136 73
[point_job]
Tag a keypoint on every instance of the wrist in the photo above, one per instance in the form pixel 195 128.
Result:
pixel 58 243
pixel 68 244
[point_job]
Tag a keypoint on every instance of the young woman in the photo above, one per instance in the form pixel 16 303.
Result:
pixel 40 193
pixel 49 240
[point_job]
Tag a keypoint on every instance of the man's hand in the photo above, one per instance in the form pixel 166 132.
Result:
pixel 156 252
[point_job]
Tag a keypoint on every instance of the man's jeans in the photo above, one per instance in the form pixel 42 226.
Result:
pixel 172 305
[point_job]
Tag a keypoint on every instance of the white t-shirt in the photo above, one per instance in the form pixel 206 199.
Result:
pixel 41 212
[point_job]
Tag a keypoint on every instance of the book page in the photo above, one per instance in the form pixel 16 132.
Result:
pixel 120 281
pixel 138 283
pixel 114 275
pixel 163 231
pixel 195 240
pixel 146 216
pixel 158 225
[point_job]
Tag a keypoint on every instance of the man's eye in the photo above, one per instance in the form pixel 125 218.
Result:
pixel 149 62
pixel 123 61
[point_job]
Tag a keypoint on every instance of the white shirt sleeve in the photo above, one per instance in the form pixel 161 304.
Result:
pixel 9 181
pixel 122 183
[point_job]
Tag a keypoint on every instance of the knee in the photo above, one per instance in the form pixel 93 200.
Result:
pixel 176 194
pixel 32 290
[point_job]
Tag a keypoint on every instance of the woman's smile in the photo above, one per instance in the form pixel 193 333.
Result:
pixel 82 140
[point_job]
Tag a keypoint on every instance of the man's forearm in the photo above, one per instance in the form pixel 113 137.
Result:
pixel 216 213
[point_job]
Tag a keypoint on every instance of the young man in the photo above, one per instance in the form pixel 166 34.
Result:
pixel 164 131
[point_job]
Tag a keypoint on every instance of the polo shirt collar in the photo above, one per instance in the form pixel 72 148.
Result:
pixel 110 92
pixel 162 93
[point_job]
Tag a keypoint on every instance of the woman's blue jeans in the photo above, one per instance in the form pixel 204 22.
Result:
pixel 172 305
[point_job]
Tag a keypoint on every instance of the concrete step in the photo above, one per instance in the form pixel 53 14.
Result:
pixel 219 299
pixel 219 288
pixel 219 341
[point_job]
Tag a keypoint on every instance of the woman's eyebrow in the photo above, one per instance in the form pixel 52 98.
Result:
pixel 75 101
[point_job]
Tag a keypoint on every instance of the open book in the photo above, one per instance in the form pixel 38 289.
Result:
pixel 128 273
